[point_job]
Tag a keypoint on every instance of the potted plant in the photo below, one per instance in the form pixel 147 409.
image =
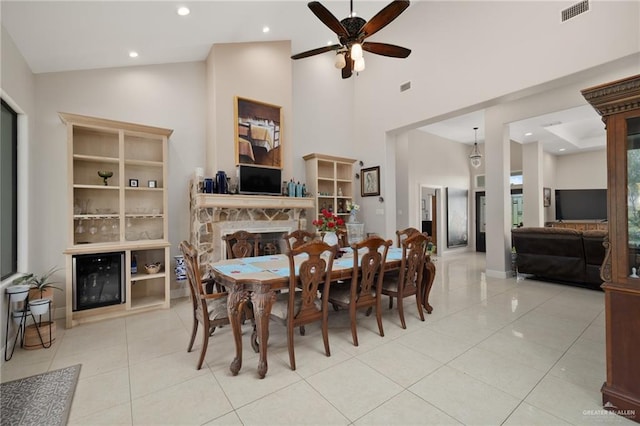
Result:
pixel 41 285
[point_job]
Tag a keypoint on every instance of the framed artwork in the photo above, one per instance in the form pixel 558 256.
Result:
pixel 457 222
pixel 133 182
pixel 258 133
pixel 370 181
pixel 153 184
pixel 546 197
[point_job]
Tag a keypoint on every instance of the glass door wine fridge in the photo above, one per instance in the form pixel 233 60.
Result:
pixel 98 280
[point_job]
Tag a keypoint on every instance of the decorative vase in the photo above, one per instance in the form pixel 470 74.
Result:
pixel 352 217
pixel 39 306
pixel 330 238
pixel 181 268
pixel 355 232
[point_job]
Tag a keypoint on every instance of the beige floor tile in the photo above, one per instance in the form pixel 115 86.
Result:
pixel 12 370
pixel 145 349
pixel 406 409
pixel 464 398
pixel 521 350
pixel 304 406
pixel 441 347
pixel 119 415
pixel 529 415
pixel 100 392
pixel 193 402
pixel 354 388
pixel 230 419
pixel 94 362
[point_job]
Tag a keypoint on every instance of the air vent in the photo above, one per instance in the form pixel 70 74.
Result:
pixel 575 10
pixel 405 86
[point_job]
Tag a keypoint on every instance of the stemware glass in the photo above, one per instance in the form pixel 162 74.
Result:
pixel 80 227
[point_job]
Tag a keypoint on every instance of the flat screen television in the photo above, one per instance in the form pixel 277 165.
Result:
pixel 581 204
pixel 259 180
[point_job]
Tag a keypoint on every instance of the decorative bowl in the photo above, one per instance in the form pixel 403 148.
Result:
pixel 105 174
pixel 153 268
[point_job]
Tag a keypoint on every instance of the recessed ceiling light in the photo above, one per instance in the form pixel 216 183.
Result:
pixel 528 134
pixel 183 11
pixel 562 149
pixel 133 54
pixel 265 29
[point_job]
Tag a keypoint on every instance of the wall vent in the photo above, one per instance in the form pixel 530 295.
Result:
pixel 575 10
pixel 405 86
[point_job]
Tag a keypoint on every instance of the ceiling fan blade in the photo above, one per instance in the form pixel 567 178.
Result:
pixel 348 68
pixel 383 18
pixel 385 49
pixel 316 51
pixel 328 19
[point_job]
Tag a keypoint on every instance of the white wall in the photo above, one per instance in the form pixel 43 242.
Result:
pixel 170 96
pixel 585 170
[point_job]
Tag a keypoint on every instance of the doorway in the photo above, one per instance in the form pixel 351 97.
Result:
pixel 429 198
pixel 481 220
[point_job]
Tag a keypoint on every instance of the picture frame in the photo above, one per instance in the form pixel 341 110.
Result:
pixel 546 197
pixel 370 181
pixel 152 184
pixel 133 183
pixel 258 133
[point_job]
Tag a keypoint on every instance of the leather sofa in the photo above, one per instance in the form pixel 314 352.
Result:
pixel 558 254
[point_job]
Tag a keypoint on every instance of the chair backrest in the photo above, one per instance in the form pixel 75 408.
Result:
pixel 406 233
pixel 297 238
pixel 242 244
pixel 414 250
pixel 194 279
pixel 368 268
pixel 314 270
pixel 343 237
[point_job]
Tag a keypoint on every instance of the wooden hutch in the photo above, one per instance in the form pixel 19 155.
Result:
pixel 618 103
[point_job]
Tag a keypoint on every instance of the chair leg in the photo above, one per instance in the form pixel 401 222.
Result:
pixel 203 351
pixel 254 339
pixel 193 334
pixel 419 305
pixel 302 330
pixel 379 318
pixel 390 302
pixel 401 311
pixel 292 356
pixel 325 336
pixel 352 316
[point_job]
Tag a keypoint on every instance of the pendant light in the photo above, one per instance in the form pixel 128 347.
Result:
pixel 475 157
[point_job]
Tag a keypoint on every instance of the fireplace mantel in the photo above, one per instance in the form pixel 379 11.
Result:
pixel 251 202
pixel 214 215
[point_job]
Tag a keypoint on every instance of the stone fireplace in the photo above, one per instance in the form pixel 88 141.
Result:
pixel 215 215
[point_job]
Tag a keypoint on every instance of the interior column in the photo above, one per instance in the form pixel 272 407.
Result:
pixel 532 183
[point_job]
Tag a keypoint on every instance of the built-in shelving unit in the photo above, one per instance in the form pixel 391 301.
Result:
pixel 330 181
pixel 126 214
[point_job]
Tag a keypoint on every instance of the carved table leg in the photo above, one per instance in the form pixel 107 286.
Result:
pixel 429 275
pixel 262 302
pixel 234 301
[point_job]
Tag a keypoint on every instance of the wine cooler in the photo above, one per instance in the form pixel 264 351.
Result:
pixel 98 280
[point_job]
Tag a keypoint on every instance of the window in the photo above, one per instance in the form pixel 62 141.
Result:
pixel 8 191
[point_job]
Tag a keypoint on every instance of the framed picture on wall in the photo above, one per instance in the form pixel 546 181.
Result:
pixel 258 133
pixel 370 181
pixel 546 197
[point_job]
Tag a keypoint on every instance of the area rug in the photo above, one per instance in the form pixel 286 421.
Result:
pixel 43 399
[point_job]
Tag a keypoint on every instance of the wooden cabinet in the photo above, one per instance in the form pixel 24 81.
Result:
pixel 330 180
pixel 123 210
pixel 619 104
pixel 581 226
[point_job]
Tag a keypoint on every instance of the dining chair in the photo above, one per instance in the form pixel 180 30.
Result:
pixel 406 233
pixel 297 238
pixel 242 244
pixel 365 286
pixel 298 308
pixel 210 310
pixel 408 282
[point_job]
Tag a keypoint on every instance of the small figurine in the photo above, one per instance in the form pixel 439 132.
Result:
pixel 633 273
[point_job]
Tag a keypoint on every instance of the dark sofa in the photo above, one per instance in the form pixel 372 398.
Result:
pixel 558 254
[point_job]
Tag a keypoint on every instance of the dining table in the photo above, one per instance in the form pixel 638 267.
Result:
pixel 258 278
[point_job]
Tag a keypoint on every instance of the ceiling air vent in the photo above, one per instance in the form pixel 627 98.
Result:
pixel 405 86
pixel 575 10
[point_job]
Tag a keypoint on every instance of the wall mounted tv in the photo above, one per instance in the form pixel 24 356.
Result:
pixel 581 204
pixel 259 180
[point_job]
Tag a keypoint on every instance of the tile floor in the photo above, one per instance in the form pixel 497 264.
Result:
pixel 494 352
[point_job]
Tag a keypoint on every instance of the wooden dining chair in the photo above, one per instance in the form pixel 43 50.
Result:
pixel 297 238
pixel 301 304
pixel 408 282
pixel 210 310
pixel 405 233
pixel 365 286
pixel 242 244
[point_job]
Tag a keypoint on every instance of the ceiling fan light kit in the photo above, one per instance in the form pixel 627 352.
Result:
pixel 352 32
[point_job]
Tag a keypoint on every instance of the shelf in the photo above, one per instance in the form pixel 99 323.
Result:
pixel 146 302
pixel 146 163
pixel 99 187
pixel 95 158
pixel 144 276
pixel 143 188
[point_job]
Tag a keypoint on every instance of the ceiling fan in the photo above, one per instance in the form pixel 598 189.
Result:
pixel 352 32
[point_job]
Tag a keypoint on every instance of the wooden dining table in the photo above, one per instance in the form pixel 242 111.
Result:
pixel 258 278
